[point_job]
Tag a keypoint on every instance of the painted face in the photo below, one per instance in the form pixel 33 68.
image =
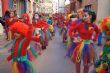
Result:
pixel 86 17
pixel 11 14
pixel 17 35
pixel 36 16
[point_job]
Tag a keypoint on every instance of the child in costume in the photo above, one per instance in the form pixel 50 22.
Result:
pixel 51 29
pixel 10 21
pixel 40 27
pixel 21 41
pixel 75 35
pixel 64 29
pixel 50 23
pixel 103 64
pixel 31 50
pixel 84 51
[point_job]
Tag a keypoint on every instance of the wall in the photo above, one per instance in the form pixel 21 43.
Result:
pixel 4 6
pixel 61 6
pixel 46 8
pixel 10 4
pixel 94 4
pixel 103 9
pixel 0 8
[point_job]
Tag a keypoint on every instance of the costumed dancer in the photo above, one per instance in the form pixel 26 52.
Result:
pixel 40 27
pixel 45 31
pixel 66 38
pixel 31 50
pixel 10 21
pixel 64 30
pixel 103 64
pixel 54 23
pixel 49 36
pixel 75 35
pixel 50 22
pixel 84 51
pixel 21 41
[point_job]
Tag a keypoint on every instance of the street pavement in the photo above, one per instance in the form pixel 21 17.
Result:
pixel 52 60
pixel 4 68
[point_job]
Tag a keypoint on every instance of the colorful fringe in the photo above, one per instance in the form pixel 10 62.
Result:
pixel 22 67
pixel 68 41
pixel 32 54
pixel 83 52
pixel 71 49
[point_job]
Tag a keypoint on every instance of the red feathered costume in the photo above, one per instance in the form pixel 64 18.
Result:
pixel 26 33
pixel 19 47
pixel 43 27
pixel 84 51
pixel 40 24
pixel 85 30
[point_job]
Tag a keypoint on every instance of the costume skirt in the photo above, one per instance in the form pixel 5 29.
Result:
pixel 22 67
pixel 84 52
pixel 71 49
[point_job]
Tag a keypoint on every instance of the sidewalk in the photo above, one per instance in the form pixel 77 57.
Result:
pixel 4 44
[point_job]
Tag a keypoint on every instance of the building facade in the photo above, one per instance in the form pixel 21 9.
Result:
pixel 103 9
pixel 75 5
pixel 4 4
pixel 20 6
pixel 90 4
pixel 46 7
pixel 0 8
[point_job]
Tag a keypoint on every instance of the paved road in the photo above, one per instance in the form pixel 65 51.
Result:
pixel 4 68
pixel 53 59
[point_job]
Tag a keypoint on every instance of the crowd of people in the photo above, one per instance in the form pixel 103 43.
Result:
pixel 79 31
pixel 22 33
pixel 82 34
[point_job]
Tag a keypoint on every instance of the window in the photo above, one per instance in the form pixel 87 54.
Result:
pixel 88 7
